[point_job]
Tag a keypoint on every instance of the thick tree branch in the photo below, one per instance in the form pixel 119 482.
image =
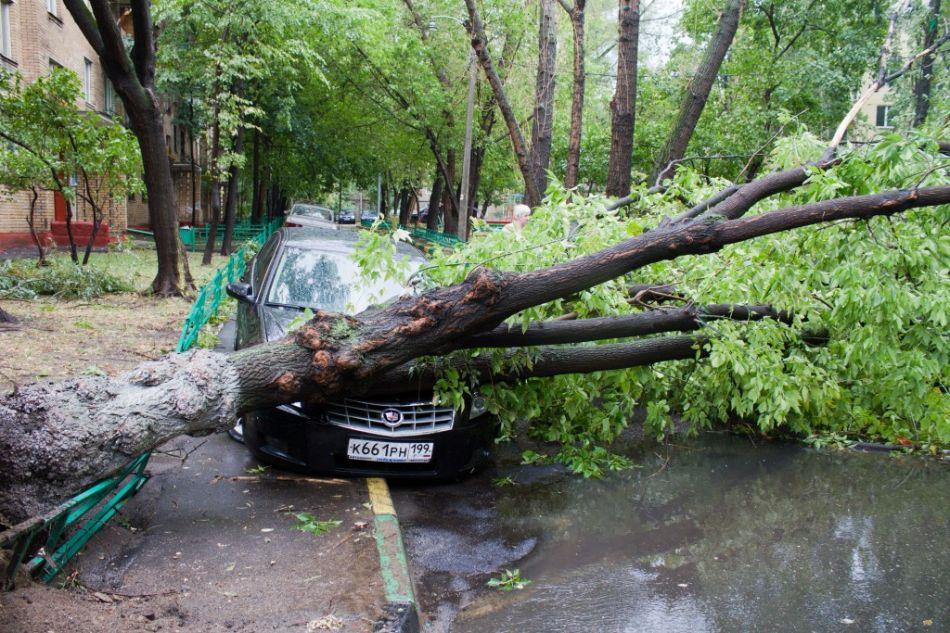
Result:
pixel 685 319
pixel 143 51
pixel 480 46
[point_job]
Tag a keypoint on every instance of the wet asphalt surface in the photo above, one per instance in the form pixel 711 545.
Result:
pixel 715 534
pixel 217 549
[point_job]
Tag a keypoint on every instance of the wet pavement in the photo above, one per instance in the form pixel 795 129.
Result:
pixel 207 547
pixel 715 534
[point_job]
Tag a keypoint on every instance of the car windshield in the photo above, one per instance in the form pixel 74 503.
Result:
pixel 312 211
pixel 329 280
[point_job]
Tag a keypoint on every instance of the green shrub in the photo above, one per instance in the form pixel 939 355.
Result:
pixel 23 279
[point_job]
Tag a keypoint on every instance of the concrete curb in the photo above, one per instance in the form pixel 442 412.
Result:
pixel 402 614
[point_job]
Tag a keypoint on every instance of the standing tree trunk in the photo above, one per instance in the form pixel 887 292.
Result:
pixel 432 219
pixel 256 200
pixel 697 92
pixel 542 120
pixel 73 254
pixel 230 207
pixel 924 81
pixel 450 206
pixel 194 179
pixel 31 222
pixel 405 196
pixel 215 189
pixel 576 14
pixel 132 73
pixel 480 46
pixel 624 104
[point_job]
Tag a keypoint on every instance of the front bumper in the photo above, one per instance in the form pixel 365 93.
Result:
pixel 290 440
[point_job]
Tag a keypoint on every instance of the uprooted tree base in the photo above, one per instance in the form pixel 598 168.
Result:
pixel 56 439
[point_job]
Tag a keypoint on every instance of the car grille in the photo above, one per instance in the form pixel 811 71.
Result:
pixel 393 419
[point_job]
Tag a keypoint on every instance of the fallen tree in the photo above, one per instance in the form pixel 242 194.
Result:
pixel 55 439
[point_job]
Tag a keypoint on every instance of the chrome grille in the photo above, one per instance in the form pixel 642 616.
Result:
pixel 380 417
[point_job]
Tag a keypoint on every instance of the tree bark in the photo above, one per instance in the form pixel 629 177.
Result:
pixel 923 83
pixel 623 107
pixel 405 196
pixel 230 206
pixel 31 222
pixel 432 219
pixel 576 13
pixel 257 201
pixel 215 189
pixel 480 46
pixel 542 119
pixel 697 92
pixel 132 73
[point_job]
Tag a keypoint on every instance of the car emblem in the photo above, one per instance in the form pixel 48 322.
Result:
pixel 391 417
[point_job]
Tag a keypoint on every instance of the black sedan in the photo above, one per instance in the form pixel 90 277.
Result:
pixel 406 435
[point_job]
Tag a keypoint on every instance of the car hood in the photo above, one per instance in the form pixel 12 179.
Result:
pixel 276 319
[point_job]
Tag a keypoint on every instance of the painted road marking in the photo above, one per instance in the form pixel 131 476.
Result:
pixel 379 496
pixel 392 555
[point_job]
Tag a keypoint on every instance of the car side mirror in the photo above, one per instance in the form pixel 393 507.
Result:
pixel 240 291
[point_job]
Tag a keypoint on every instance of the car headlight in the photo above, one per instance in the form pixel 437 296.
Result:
pixel 479 407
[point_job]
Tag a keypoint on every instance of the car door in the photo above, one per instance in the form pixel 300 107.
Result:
pixel 249 326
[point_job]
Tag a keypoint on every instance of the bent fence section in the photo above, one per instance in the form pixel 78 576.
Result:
pixel 67 528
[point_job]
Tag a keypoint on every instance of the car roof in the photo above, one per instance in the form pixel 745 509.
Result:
pixel 338 239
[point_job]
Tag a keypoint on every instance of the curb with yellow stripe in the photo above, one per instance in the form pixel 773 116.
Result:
pixel 402 614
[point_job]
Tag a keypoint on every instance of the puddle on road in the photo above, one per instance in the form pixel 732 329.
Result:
pixel 722 536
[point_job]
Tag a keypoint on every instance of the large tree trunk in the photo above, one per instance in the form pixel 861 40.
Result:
pixel 132 73
pixel 215 189
pixel 450 201
pixel 924 81
pixel 230 206
pixel 697 92
pixel 435 202
pixel 257 199
pixel 542 119
pixel 623 106
pixel 576 14
pixel 405 197
pixel 56 439
pixel 480 46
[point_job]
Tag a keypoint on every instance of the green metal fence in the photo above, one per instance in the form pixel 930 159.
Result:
pixel 426 235
pixel 209 297
pixel 83 515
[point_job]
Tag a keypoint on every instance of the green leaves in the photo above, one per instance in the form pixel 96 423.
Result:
pixel 45 139
pixel 510 580
pixel 306 522
pixel 879 288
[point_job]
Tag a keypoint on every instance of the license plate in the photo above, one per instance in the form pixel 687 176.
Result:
pixel 396 452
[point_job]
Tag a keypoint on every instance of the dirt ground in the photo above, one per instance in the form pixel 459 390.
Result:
pixel 57 338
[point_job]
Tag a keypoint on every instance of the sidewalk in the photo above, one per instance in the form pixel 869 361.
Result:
pixel 207 547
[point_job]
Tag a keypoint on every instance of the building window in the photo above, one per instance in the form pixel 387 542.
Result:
pixel 51 7
pixel 108 96
pixel 884 116
pixel 87 80
pixel 6 46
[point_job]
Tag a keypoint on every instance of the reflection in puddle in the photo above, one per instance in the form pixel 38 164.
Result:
pixel 728 537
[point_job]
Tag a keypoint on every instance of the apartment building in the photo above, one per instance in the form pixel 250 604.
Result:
pixel 36 35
